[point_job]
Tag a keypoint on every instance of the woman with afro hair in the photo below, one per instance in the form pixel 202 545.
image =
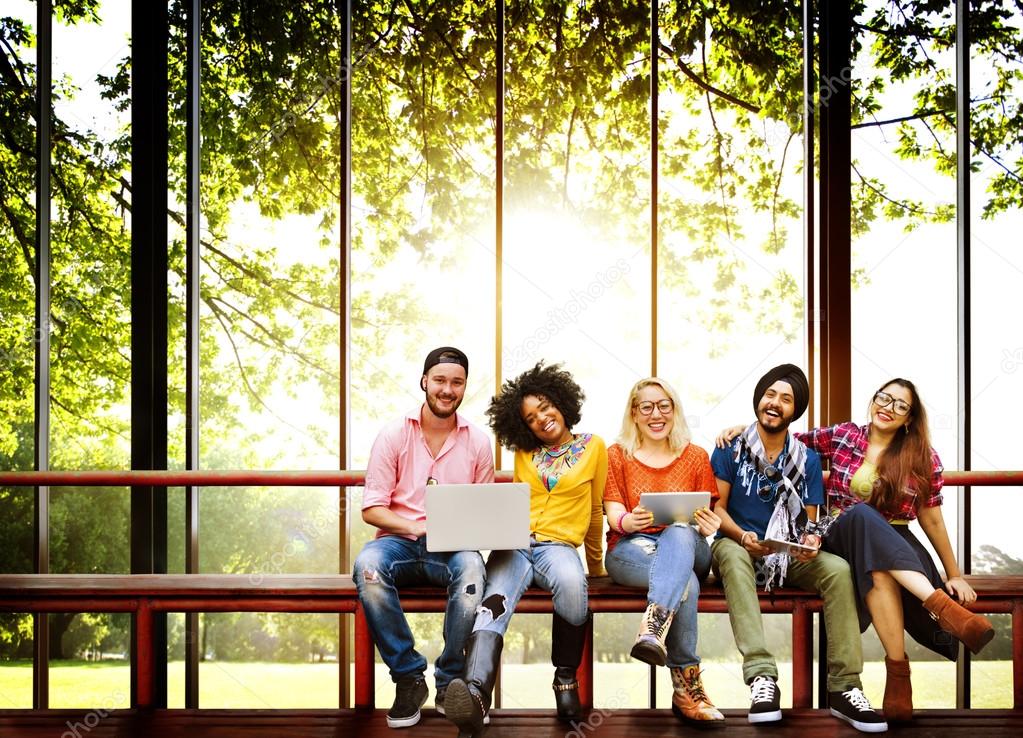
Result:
pixel 534 415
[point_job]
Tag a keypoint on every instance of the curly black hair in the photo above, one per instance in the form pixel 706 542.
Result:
pixel 551 382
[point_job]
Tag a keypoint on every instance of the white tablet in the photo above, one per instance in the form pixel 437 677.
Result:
pixel 672 507
pixel 786 547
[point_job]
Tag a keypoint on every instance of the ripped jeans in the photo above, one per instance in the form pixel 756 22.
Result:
pixel 553 566
pixel 669 565
pixel 389 562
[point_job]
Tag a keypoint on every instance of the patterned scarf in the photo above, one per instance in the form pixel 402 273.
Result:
pixel 552 462
pixel 788 520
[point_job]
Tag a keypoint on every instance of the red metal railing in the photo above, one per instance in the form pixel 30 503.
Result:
pixel 327 478
pixel 143 607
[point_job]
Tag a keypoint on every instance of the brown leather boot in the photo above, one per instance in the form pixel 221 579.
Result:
pixel 898 690
pixel 690 702
pixel 972 629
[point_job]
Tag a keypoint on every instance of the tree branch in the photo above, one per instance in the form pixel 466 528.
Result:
pixel 218 314
pixel 707 86
pixel 719 160
pixel 276 342
pixel 916 116
pixel 777 188
pixel 899 203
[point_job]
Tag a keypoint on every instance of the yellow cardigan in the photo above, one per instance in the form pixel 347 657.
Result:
pixel 573 512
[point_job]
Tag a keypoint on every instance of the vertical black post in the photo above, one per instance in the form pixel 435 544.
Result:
pixel 809 201
pixel 835 165
pixel 499 214
pixel 809 274
pixel 193 214
pixel 654 196
pixel 498 235
pixel 41 515
pixel 149 143
pixel 964 426
pixel 345 242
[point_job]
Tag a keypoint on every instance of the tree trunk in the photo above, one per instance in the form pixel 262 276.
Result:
pixel 59 623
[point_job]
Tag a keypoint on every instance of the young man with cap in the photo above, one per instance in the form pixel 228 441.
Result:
pixel 770 486
pixel 432 444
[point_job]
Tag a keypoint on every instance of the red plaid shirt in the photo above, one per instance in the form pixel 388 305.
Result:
pixel 845 447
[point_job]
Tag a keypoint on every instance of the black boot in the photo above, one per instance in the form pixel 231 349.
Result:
pixel 467 700
pixel 567 643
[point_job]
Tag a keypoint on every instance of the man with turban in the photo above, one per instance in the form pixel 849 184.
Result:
pixel 770 486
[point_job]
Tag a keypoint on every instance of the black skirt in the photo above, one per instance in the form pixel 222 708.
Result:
pixel 864 538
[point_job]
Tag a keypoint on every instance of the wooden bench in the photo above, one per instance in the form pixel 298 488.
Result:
pixel 144 595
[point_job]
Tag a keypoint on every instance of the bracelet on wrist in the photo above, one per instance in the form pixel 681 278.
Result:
pixel 618 523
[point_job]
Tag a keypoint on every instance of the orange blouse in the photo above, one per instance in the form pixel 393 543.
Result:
pixel 628 478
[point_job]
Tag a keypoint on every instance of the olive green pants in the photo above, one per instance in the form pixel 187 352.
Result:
pixel 826 574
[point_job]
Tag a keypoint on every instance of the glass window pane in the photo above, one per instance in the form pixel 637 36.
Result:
pixel 90 333
pixel 996 96
pixel 17 336
pixel 731 265
pixel 90 328
pixel 268 661
pixel 423 253
pixel 270 256
pixel 576 266
pixel 17 263
pixel 904 238
pixel 92 669
pixel 16 644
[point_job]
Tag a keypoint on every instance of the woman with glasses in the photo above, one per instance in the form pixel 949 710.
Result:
pixel 889 464
pixel 533 415
pixel 654 454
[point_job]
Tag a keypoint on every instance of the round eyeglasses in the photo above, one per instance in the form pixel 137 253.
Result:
pixel 646 408
pixel 901 407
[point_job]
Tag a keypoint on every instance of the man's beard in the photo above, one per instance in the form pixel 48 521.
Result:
pixel 431 402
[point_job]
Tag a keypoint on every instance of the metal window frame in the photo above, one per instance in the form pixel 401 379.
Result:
pixel 964 418
pixel 193 255
pixel 149 290
pixel 345 629
pixel 41 512
pixel 828 298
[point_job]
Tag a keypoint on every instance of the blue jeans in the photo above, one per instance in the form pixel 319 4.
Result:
pixel 389 562
pixel 555 567
pixel 669 565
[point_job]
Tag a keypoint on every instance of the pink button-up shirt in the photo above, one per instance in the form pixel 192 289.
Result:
pixel 400 464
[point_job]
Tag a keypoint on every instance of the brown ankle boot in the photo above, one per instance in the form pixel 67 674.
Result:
pixel 972 629
pixel 898 690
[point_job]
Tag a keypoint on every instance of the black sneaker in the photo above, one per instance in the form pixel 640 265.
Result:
pixel 438 701
pixel 409 695
pixel 853 707
pixel 765 700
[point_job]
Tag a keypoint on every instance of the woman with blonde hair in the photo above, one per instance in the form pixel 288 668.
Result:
pixel 654 454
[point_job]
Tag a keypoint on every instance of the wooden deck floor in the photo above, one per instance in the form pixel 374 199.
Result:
pixel 506 724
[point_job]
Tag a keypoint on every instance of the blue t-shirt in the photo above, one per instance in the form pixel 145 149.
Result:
pixel 744 504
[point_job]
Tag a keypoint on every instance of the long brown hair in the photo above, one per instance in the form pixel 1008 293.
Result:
pixel 905 467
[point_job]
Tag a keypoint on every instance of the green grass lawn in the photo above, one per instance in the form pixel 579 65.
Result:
pixel 275 686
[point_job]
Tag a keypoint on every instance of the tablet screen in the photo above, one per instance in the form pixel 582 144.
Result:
pixel 674 507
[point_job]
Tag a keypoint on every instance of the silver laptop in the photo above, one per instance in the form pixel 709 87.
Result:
pixel 475 517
